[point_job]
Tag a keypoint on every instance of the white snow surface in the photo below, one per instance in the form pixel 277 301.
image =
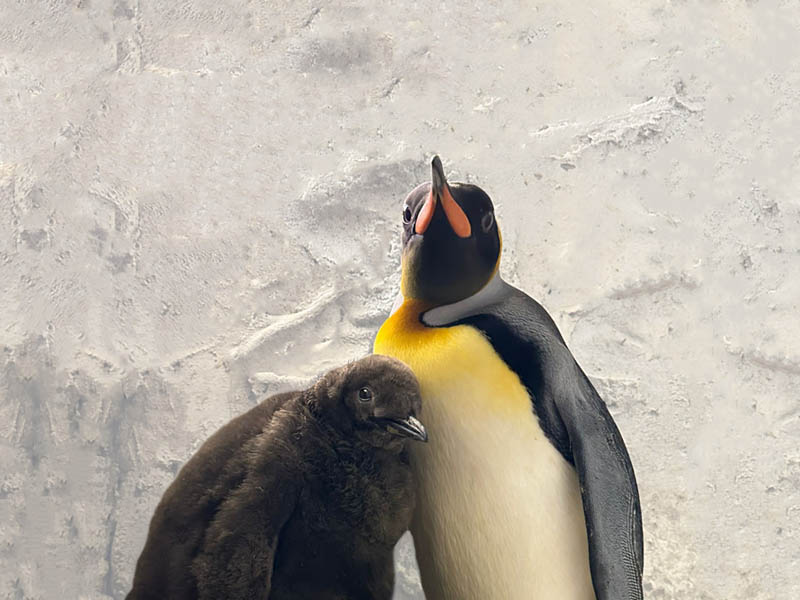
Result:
pixel 200 204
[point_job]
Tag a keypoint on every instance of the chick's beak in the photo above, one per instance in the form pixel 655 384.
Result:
pixel 409 427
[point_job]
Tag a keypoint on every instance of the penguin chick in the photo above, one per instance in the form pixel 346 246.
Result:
pixel 304 496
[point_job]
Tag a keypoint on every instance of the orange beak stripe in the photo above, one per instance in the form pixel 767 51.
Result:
pixel 455 215
pixel 426 214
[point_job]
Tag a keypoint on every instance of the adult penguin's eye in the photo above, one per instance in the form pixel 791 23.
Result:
pixel 487 221
pixel 406 214
pixel 365 394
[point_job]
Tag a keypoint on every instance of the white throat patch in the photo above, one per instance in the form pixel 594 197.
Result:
pixel 493 292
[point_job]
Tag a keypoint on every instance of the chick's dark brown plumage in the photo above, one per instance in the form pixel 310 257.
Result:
pixel 304 496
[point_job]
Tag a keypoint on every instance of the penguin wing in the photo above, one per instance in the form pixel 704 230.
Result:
pixel 238 551
pixel 577 422
pixel 184 513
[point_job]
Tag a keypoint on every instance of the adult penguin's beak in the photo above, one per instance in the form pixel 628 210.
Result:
pixel 409 427
pixel 440 195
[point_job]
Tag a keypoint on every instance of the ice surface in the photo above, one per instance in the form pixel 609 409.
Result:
pixel 200 205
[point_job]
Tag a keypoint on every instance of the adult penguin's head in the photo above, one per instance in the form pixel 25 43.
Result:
pixel 451 242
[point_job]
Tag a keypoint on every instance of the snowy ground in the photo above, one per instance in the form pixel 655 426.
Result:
pixel 200 204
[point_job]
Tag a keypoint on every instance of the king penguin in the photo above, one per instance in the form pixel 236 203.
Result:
pixel 526 490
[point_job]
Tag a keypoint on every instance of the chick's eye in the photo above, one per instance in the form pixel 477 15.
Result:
pixel 365 394
pixel 487 221
pixel 406 214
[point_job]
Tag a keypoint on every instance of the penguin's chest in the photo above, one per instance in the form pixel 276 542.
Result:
pixel 369 499
pixel 499 512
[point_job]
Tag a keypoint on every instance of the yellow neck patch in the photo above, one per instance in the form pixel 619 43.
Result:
pixel 449 360
pixel 404 336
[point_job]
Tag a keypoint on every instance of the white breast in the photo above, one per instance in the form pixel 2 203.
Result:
pixel 499 510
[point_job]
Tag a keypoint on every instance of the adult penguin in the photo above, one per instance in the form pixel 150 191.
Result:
pixel 526 489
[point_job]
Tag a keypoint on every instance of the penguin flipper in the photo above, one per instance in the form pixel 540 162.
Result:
pixel 609 492
pixel 238 552
pixel 576 421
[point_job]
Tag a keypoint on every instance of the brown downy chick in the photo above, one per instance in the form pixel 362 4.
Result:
pixel 304 496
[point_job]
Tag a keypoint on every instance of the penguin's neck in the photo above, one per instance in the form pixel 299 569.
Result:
pixel 494 291
pixel 446 358
pixel 404 335
pixel 439 316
